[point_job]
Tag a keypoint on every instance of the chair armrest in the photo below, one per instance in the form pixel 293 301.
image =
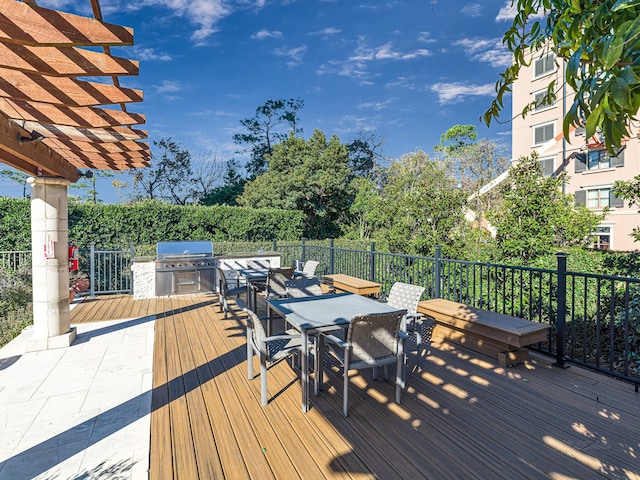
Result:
pixel 403 335
pixel 273 338
pixel 335 340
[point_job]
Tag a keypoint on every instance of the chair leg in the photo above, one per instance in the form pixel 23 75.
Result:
pixel 249 360
pixel 399 379
pixel 263 378
pixel 345 393
pixel 318 364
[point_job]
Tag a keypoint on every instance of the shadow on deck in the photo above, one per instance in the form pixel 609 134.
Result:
pixel 462 416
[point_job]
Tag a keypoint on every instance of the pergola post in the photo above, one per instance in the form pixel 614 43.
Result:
pixel 50 264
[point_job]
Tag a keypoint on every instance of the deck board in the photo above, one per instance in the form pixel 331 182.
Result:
pixel 462 416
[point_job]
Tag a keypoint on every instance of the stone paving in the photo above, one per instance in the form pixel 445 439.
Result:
pixel 78 412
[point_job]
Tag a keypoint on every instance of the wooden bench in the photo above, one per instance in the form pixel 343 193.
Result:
pixel 500 336
pixel 347 283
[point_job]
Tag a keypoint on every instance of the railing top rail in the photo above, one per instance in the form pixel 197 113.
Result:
pixel 600 276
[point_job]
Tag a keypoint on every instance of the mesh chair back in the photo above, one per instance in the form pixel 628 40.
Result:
pixel 276 279
pixel 405 295
pixel 309 269
pixel 257 329
pixel 374 337
pixel 222 282
pixel 303 287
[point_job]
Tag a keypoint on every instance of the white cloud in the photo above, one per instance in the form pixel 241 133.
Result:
pixel 491 51
pixel 457 92
pixel 375 105
pixel 386 52
pixel 326 31
pixel 472 10
pixel 262 34
pixel 508 12
pixel 168 86
pixel 146 54
pixel 296 54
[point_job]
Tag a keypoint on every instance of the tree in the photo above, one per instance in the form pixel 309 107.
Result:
pixel 600 44
pixel 474 163
pixel 230 190
pixel 535 218
pixel 311 176
pixel 89 183
pixel 418 207
pixel 272 123
pixel 630 190
pixel 169 177
pixel 18 177
pixel 365 155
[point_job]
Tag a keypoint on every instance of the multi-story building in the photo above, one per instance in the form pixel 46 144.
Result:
pixel 591 170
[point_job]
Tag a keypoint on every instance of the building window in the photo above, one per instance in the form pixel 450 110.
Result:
pixel 594 160
pixel 599 159
pixel 544 133
pixel 598 198
pixel 547 165
pixel 540 102
pixel 602 238
pixel 544 65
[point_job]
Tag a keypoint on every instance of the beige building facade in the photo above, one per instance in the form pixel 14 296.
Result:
pixel 591 170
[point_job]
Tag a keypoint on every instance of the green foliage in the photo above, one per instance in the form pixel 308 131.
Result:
pixel 535 217
pixel 630 190
pixel 151 221
pixel 600 43
pixel 15 224
pixel 15 304
pixel 310 176
pixel 417 208
pixel 272 123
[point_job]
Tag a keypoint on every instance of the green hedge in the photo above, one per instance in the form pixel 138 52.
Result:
pixel 152 221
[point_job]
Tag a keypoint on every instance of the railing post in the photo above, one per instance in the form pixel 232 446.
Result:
pixel 132 253
pixel 437 271
pixel 92 272
pixel 332 257
pixel 561 313
pixel 304 249
pixel 275 245
pixel 372 262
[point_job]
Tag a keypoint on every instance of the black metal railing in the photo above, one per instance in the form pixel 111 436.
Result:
pixel 595 319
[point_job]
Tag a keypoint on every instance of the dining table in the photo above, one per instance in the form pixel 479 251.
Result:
pixel 322 313
pixel 251 276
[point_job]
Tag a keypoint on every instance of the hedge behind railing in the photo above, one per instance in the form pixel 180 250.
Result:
pixel 150 222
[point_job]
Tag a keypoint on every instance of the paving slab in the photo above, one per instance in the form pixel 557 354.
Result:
pixel 82 411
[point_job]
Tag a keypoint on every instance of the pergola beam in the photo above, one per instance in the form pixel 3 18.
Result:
pixel 27 25
pixel 72 116
pixel 17 144
pixel 64 61
pixel 62 91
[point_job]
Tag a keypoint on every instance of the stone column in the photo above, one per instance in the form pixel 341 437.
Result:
pixel 50 264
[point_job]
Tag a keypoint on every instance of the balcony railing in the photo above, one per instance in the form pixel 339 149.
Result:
pixel 595 319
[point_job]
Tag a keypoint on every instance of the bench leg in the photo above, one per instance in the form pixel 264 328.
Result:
pixel 511 359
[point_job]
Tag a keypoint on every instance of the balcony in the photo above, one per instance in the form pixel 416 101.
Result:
pixel 462 416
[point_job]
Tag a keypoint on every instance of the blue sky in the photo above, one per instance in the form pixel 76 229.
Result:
pixel 402 70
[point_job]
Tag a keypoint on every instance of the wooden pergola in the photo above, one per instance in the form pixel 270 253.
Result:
pixel 53 123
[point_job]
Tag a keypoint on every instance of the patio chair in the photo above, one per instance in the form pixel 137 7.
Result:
pixel 303 287
pixel 271 349
pixel 225 290
pixel 309 269
pixel 372 340
pixel 417 325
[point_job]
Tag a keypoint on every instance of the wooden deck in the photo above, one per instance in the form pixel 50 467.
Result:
pixel 461 417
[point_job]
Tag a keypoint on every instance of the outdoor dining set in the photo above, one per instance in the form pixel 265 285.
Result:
pixel 338 319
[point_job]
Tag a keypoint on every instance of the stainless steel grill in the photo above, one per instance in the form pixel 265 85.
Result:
pixel 184 267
